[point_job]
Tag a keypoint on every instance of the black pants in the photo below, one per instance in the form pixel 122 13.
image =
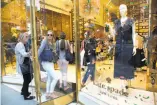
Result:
pixel 27 79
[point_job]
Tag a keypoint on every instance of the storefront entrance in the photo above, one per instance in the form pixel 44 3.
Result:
pixel 101 35
pixel 36 23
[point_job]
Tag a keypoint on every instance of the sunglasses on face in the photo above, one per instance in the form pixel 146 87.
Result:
pixel 49 34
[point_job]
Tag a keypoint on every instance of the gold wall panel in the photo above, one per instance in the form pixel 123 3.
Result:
pixel 14 12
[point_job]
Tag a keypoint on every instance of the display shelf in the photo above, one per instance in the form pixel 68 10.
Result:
pixel 81 25
pixel 72 19
pixel 140 14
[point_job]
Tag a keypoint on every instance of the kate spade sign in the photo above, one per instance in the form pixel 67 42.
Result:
pixel 109 89
pixel 113 95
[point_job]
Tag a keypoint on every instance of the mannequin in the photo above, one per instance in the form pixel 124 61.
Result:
pixel 125 47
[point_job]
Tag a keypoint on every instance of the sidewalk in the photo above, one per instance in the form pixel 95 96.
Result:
pixel 12 97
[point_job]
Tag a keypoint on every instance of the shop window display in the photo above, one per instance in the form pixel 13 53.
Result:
pixel 114 63
pixel 121 65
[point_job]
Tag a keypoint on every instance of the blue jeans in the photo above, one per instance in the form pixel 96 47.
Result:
pixel 90 71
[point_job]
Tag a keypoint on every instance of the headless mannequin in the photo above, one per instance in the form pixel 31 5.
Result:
pixel 123 19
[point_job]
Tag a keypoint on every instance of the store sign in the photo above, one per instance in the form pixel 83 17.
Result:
pixel 109 89
pixel 114 95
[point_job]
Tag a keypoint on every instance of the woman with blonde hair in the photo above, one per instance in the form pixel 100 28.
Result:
pixel 46 57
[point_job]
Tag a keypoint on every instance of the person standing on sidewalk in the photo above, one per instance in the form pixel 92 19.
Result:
pixel 24 64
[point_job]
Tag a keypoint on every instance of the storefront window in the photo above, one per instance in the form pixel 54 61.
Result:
pixel 108 48
pixel 119 72
pixel 13 20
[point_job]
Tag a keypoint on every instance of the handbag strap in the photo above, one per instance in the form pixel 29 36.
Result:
pixel 67 45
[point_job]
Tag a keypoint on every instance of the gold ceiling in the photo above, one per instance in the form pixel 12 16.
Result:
pixel 14 12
